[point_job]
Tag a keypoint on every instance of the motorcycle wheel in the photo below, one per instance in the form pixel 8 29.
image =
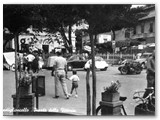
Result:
pixel 124 71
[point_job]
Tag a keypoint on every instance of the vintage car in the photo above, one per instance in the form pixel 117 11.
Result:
pixel 76 62
pixel 143 59
pixel 100 64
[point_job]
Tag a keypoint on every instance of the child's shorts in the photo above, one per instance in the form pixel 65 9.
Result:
pixel 75 84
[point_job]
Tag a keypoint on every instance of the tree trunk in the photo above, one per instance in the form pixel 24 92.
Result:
pixel 16 72
pixel 93 74
pixel 88 93
pixel 65 38
pixel 70 37
pixel 114 35
pixel 4 45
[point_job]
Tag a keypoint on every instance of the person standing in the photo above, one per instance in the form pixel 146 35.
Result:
pixel 40 63
pixel 74 78
pixel 150 74
pixel 30 59
pixel 59 71
pixel 35 65
pixel 24 61
pixel 151 70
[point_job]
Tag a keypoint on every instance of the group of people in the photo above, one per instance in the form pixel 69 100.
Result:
pixel 35 62
pixel 59 72
pixel 30 61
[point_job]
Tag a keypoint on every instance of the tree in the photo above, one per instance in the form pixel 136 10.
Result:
pixel 79 43
pixel 59 17
pixel 104 18
pixel 17 18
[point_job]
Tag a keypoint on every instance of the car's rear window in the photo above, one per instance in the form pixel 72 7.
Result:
pixel 98 59
pixel 76 58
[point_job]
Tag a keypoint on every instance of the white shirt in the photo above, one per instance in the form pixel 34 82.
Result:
pixel 60 62
pixel 74 78
pixel 30 57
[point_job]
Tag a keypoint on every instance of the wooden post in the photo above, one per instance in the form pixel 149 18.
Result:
pixel 88 92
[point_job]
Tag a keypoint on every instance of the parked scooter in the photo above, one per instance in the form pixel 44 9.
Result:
pixel 130 68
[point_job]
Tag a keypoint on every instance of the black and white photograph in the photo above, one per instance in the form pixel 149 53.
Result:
pixel 79 59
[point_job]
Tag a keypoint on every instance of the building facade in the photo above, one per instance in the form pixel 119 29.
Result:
pixel 145 30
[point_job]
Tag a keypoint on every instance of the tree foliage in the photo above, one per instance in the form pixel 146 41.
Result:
pixel 101 18
pixel 19 17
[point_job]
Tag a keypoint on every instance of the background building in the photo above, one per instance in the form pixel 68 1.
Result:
pixel 145 30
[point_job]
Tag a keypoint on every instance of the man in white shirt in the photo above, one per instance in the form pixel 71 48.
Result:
pixel 30 59
pixel 60 72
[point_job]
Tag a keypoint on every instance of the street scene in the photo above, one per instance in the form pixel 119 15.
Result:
pixel 68 62
pixel 78 105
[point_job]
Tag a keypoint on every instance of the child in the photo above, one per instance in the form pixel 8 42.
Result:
pixel 74 78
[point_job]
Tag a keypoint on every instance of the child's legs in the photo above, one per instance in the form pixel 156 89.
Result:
pixel 76 91
pixel 72 89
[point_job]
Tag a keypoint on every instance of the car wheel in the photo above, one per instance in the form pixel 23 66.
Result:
pixel 12 67
pixel 124 71
pixel 70 68
pixel 104 69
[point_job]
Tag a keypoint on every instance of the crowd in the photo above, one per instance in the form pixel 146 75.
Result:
pixel 30 61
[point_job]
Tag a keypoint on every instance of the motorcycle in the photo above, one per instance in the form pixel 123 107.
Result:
pixel 130 68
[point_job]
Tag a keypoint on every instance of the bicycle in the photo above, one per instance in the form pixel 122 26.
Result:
pixel 146 103
pixel 122 107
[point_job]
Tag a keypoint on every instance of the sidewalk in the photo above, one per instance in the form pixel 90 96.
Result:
pixel 72 105
pixel 47 103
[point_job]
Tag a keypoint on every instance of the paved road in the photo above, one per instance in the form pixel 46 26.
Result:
pixel 129 84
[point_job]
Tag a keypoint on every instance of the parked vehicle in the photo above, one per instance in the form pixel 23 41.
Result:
pixel 131 67
pixel 100 64
pixel 143 59
pixel 80 63
pixel 76 62
pixel 9 60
